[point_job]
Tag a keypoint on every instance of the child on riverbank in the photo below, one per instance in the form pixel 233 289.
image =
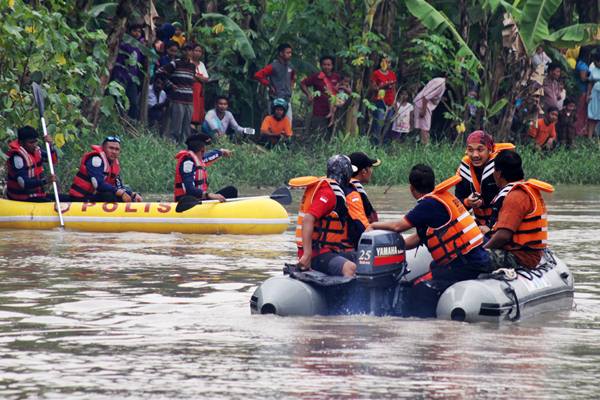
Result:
pixel 401 125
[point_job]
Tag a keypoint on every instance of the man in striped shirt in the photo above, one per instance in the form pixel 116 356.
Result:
pixel 180 76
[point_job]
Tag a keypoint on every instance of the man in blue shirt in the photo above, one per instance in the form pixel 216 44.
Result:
pixel 449 232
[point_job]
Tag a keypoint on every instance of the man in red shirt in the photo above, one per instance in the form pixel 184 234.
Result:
pixel 330 221
pixel 544 132
pixel 279 77
pixel 325 83
pixel 383 82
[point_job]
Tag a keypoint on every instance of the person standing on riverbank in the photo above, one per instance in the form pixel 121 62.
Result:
pixel 520 225
pixel 201 78
pixel 25 180
pixel 553 88
pixel 191 177
pixel 128 69
pixel 180 76
pixel 383 84
pixel 449 232
pixel 325 83
pixel 477 188
pixel 425 102
pixel 279 77
pixel 364 170
pixel 99 176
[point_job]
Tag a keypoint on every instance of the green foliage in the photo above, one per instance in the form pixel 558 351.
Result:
pixel 148 163
pixel 436 20
pixel 533 22
pixel 38 44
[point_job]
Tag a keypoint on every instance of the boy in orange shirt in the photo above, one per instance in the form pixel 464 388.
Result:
pixel 276 125
pixel 544 132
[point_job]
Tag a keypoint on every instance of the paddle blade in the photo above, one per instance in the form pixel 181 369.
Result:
pixel 38 95
pixel 282 195
pixel 187 202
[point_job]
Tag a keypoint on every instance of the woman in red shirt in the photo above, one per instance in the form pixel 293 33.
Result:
pixel 383 82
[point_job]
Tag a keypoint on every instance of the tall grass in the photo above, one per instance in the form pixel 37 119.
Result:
pixel 148 162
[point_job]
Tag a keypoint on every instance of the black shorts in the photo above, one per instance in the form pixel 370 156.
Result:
pixel 332 263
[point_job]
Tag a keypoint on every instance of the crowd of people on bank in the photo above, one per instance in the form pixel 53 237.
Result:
pixel 176 103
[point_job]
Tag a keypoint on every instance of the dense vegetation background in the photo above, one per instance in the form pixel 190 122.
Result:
pixel 70 46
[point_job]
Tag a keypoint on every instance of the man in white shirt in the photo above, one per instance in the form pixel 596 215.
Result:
pixel 218 120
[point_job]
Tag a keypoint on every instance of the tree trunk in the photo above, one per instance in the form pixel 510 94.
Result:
pixel 351 117
pixel 588 10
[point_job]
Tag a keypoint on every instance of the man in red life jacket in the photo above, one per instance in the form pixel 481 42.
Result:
pixel 448 231
pixel 191 177
pixel 99 179
pixel 25 179
pixel 478 188
pixel 330 220
pixel 364 170
pixel 519 229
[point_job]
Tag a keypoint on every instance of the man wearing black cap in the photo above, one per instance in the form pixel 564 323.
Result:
pixel 25 167
pixel 191 177
pixel 99 179
pixel 364 169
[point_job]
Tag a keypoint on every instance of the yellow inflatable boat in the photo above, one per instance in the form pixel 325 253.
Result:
pixel 255 216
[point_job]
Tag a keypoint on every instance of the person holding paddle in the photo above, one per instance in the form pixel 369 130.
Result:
pixel 99 179
pixel 191 177
pixel 25 179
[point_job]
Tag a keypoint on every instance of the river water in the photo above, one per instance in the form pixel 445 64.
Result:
pixel 150 316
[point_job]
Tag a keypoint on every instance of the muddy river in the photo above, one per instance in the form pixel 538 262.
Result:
pixel 151 316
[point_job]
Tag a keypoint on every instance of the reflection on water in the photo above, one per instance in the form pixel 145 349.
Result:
pixel 166 316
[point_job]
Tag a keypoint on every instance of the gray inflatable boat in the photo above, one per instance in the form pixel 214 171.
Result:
pixel 386 273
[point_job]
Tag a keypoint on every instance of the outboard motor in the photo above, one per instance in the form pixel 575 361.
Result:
pixel 375 290
pixel 381 265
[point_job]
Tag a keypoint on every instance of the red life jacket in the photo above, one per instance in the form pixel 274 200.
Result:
pixel 35 170
pixel 200 176
pixel 82 186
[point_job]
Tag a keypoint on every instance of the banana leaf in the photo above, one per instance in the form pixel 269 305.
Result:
pixel 533 22
pixel 242 44
pixel 578 34
pixel 437 21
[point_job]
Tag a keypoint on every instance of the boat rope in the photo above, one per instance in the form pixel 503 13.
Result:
pixel 510 292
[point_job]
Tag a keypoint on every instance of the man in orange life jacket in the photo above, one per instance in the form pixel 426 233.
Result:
pixel 520 225
pixel 191 178
pixel 364 170
pixel 330 221
pixel 478 187
pixel 99 179
pixel 449 232
pixel 25 167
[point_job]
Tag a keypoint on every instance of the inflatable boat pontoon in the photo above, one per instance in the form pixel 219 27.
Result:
pixel 384 273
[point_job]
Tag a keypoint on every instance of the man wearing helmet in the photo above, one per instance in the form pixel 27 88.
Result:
pixel 330 221
pixel 277 124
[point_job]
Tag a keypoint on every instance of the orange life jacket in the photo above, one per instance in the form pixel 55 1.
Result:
pixel 532 233
pixel 200 176
pixel 331 231
pixel 466 170
pixel 459 235
pixel 82 186
pixel 35 170
pixel 369 211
